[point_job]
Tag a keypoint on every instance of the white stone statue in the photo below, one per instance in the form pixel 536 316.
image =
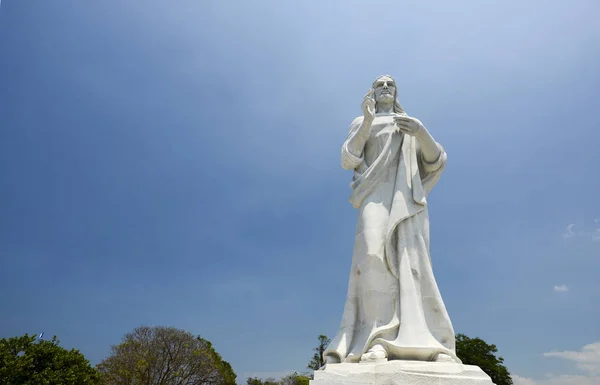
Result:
pixel 394 310
pixel 395 329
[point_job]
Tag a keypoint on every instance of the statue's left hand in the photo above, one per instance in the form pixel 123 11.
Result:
pixel 409 126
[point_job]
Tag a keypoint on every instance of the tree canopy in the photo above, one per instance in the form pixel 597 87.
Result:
pixel 23 361
pixel 290 379
pixel 165 356
pixel 475 351
pixel 317 360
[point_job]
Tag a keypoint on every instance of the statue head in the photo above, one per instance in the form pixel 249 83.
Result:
pixel 386 92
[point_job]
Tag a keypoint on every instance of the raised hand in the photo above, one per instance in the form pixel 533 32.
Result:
pixel 368 106
pixel 409 126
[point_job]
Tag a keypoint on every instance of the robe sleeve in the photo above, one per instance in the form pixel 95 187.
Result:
pixel 430 172
pixel 349 160
pixel 436 165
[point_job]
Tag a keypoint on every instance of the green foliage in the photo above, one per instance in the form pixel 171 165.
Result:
pixel 165 356
pixel 258 381
pixel 317 361
pixel 23 361
pixel 475 351
pixel 290 379
pixel 254 381
pixel 294 379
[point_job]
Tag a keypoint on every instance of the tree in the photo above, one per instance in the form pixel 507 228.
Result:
pixel 295 379
pixel 259 381
pixel 290 379
pixel 165 356
pixel 25 362
pixel 317 361
pixel 475 351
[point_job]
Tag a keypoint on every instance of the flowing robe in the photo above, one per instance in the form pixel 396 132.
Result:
pixel 393 299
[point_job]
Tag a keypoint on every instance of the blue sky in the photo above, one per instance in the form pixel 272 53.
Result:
pixel 177 163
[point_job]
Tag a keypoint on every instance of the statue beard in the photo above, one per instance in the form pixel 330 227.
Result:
pixel 394 100
pixel 387 100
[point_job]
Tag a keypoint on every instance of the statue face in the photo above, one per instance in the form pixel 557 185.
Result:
pixel 385 90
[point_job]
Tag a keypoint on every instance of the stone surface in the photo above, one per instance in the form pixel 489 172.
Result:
pixel 400 372
pixel 395 328
pixel 394 308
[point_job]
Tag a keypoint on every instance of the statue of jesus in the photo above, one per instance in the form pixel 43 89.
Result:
pixel 394 310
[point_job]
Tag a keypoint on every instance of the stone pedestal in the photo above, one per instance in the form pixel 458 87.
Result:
pixel 401 373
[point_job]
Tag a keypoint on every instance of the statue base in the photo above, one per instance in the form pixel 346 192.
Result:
pixel 401 373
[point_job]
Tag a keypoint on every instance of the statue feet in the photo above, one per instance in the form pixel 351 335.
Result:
pixel 351 358
pixel 376 353
pixel 330 360
pixel 444 358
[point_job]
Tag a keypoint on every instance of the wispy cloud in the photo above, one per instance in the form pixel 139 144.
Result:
pixel 518 380
pixel 596 234
pixel 561 288
pixel 592 234
pixel 587 359
pixel 565 379
pixel 569 233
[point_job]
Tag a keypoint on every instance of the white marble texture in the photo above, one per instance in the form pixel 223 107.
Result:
pixel 401 373
pixel 394 310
